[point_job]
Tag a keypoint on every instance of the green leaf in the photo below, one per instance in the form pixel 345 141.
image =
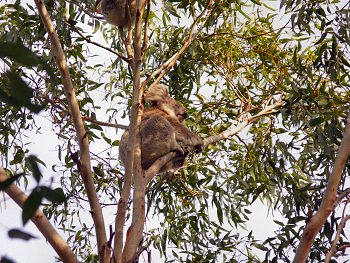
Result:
pixel 316 121
pixel 261 247
pixel 55 196
pixel 16 233
pixel 323 36
pixel 31 205
pixel 171 9
pixel 33 167
pixel 25 56
pixel 98 171
pixel 18 93
pixel 194 223
pixel 18 157
pixel 20 54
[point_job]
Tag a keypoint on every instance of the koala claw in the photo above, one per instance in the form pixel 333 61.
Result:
pixel 199 148
pixel 179 149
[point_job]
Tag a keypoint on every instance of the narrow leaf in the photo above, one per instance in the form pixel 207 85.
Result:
pixel 55 196
pixel 16 233
pixel 31 205
pixel 18 93
pixel 33 166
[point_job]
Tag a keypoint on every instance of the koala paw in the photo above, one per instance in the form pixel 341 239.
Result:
pixel 186 150
pixel 179 149
pixel 199 147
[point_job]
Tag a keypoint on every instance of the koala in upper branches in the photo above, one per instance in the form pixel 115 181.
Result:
pixel 121 13
pixel 162 131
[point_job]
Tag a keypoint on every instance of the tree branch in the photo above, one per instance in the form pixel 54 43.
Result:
pixel 85 171
pixel 99 45
pixel 127 43
pixel 341 226
pixel 317 221
pixel 133 146
pixel 88 119
pixel 340 197
pixel 41 222
pixel 157 165
pixel 234 129
pixel 145 36
pixel 138 213
pixel 171 61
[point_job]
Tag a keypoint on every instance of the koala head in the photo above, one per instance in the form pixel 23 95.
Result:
pixel 159 97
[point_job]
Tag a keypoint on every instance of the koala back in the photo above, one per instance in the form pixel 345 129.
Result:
pixel 182 134
pixel 120 13
pixel 157 140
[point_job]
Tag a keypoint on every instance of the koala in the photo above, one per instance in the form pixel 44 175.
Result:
pixel 121 13
pixel 162 131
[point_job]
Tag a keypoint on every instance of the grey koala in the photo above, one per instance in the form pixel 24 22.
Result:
pixel 162 131
pixel 121 13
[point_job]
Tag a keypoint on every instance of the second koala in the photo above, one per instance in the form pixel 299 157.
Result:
pixel 121 13
pixel 162 131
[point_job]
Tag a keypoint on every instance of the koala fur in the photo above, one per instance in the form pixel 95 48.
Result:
pixel 121 13
pixel 162 131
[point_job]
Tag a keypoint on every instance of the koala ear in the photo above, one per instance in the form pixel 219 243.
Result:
pixel 156 93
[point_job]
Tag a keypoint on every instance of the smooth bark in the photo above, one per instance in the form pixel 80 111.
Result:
pixel 317 221
pixel 84 164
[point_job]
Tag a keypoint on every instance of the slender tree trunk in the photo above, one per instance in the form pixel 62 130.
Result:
pixel 317 221
pixel 84 164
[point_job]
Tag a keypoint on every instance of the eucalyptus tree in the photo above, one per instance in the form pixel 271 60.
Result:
pixel 270 104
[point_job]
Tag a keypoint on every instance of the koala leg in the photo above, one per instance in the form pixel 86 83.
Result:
pixel 185 136
pixel 157 139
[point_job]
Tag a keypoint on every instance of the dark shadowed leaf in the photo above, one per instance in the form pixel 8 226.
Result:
pixel 18 93
pixel 6 260
pixel 16 233
pixel 8 182
pixel 24 55
pixel 55 196
pixel 19 53
pixel 33 166
pixel 31 205
pixel 316 121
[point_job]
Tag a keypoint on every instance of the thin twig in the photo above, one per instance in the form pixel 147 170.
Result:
pixel 145 36
pixel 239 36
pixel 341 226
pixel 341 196
pixel 88 119
pixel 234 129
pixel 99 45
pixel 171 61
